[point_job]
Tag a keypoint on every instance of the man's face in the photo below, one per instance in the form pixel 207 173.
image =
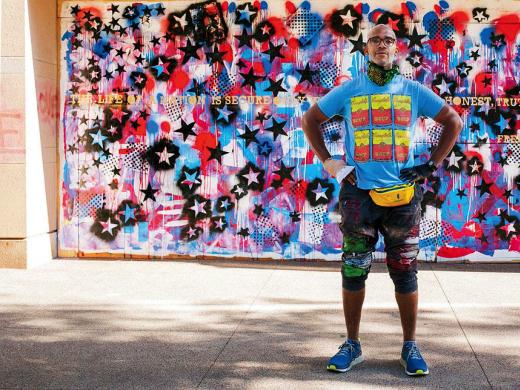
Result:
pixel 381 46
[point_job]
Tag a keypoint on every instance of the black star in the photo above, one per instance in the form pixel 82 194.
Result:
pixel 244 232
pixel 113 184
pixel 461 193
pixel 481 216
pixel 507 193
pixel 463 69
pixel 301 97
pixel 120 69
pixel 160 10
pixel 249 136
pixel 87 15
pixel 156 41
pixel 492 64
pixel 241 64
pixel 359 45
pixel 149 193
pixel 250 78
pixel 72 148
pixel 198 88
pixel 115 22
pixel 274 51
pixel 186 130
pixel 306 74
pixel 120 52
pixel 484 187
pixel 96 162
pixel 139 60
pixel 275 86
pixel 259 210
pixel 74 10
pixel 480 142
pixel 285 238
pixel 415 38
pixel 295 217
pixel 215 56
pixel 190 51
pixel 244 39
pixel 217 153
pixel 138 45
pixel 474 54
pixel 277 128
pixel 284 172
pixel 474 127
pixel 116 171
pixel 261 116
pixel 113 8
pixel 486 81
pixel 502 160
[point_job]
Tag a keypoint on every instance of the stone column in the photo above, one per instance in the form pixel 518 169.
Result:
pixel 28 126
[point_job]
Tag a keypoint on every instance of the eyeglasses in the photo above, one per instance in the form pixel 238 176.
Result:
pixel 386 41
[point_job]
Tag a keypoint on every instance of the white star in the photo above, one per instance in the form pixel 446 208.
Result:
pixel 112 130
pixel 108 226
pixel 252 176
pixel 479 17
pixel 239 191
pixel 474 167
pixel 485 107
pixel 464 70
pixel 416 59
pixel 94 74
pixel 139 79
pixel 348 19
pixel 219 223
pixel 198 208
pixel 191 179
pixel 181 20
pixel 164 156
pixel 509 228
pixel 320 192
pixel 444 87
pixel 454 160
pixel 245 14
pixel 191 232
pixel 224 113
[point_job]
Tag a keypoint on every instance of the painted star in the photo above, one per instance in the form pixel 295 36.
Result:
pixel 149 193
pixel 246 14
pixel 244 39
pixel 274 51
pixel 217 153
pixel 190 179
pixel 454 160
pixel 98 138
pixel 181 20
pixel 284 172
pixel 306 74
pixel 250 78
pixel 252 176
pixel 484 187
pixel 186 129
pixel 249 136
pixel 129 213
pixel 320 192
pixel 164 156
pixel 161 67
pixel 359 45
pixel 108 226
pixel 198 207
pixel 190 51
pixel 480 15
pixel 474 54
pixel 266 29
pixel 275 86
pixel 475 167
pixel 224 114
pixel 348 19
pixel 444 87
pixel 415 38
pixel 277 128
pixel 461 193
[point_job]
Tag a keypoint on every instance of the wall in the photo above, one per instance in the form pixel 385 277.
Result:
pixel 28 123
pixel 181 125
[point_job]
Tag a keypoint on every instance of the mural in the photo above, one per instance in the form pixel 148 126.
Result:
pixel 181 125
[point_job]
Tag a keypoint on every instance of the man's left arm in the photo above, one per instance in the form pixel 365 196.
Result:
pixel 452 125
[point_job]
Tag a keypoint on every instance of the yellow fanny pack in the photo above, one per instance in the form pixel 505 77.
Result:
pixel 398 195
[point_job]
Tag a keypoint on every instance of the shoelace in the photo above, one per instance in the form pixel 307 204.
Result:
pixel 346 348
pixel 414 353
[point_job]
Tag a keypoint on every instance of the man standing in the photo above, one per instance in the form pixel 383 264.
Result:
pixel 378 189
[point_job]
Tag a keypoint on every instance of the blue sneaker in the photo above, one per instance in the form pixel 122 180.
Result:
pixel 412 361
pixel 348 356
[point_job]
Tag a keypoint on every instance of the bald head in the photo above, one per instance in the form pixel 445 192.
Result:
pixel 381 45
pixel 381 30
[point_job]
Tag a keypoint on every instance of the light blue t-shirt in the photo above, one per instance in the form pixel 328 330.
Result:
pixel 380 125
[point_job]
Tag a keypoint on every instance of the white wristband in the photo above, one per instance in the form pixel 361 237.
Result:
pixel 343 173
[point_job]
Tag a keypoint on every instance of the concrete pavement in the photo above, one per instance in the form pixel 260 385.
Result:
pixel 76 324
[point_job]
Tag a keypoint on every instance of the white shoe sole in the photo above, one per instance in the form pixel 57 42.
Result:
pixel 356 361
pixel 419 373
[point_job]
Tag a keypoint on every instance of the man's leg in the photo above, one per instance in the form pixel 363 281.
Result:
pixel 352 305
pixel 408 310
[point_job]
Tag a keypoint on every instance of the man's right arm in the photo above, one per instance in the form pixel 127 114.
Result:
pixel 311 122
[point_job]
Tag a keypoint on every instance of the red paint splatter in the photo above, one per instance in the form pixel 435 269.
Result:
pixel 290 7
pixel 203 141
pixel 452 253
pixel 180 79
pixel 280 30
pixel 165 127
pixel 94 13
pixel 359 8
pixel 509 25
pixel 437 9
pixel 226 47
pixel 514 245
pixel 460 21
pixel 225 6
pixel 404 9
pixel 293 43
pixel 150 85
pixel 484 83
